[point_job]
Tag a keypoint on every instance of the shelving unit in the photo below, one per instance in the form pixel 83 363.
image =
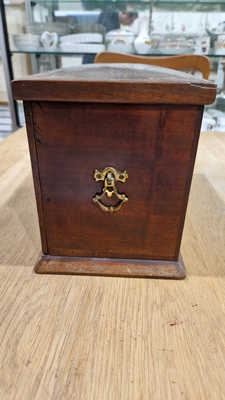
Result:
pixel 23 63
pixel 7 67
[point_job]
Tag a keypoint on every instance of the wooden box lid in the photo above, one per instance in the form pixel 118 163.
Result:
pixel 115 83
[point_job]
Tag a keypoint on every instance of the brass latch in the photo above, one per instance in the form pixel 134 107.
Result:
pixel 110 175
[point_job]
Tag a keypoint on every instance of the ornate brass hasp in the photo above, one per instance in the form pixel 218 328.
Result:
pixel 110 175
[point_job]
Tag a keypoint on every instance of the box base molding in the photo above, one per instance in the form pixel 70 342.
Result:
pixel 111 267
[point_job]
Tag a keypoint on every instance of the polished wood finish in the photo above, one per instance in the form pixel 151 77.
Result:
pixel 107 338
pixel 156 144
pixel 158 159
pixel 35 170
pixel 188 62
pixel 118 83
pixel 111 267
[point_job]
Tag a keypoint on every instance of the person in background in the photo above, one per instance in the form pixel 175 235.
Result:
pixel 111 20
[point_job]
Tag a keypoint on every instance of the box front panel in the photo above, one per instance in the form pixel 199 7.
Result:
pixel 152 143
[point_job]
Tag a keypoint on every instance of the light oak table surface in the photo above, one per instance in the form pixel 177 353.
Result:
pixel 101 338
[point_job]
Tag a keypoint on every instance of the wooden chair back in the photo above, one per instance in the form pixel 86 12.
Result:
pixel 188 62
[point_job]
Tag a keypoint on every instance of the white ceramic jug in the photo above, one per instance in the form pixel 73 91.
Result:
pixel 49 40
pixel 143 43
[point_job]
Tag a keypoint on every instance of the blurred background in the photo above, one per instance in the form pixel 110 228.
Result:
pixel 39 36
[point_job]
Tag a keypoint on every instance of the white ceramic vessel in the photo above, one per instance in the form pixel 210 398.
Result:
pixel 81 47
pixel 49 40
pixel 208 124
pixel 220 45
pixel 82 38
pixel 202 45
pixel 27 42
pixel 175 45
pixel 143 42
pixel 121 40
pixel 38 28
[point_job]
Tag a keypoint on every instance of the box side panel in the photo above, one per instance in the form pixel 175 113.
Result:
pixel 197 127
pixel 153 144
pixel 30 126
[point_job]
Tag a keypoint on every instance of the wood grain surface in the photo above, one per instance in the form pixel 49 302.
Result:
pixel 77 337
pixel 111 267
pixel 188 61
pixel 115 83
pixel 157 149
pixel 35 171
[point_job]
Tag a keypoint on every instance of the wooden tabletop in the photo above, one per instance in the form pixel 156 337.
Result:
pixel 98 338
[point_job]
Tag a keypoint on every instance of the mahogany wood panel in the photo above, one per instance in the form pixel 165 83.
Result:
pixel 30 125
pixel 155 144
pixel 115 83
pixel 107 267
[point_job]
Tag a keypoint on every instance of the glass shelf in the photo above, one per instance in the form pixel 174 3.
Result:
pixel 155 3
pixel 201 6
pixel 164 5
pixel 60 53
